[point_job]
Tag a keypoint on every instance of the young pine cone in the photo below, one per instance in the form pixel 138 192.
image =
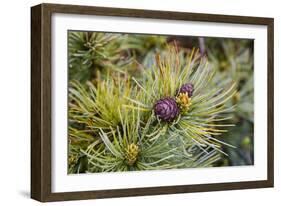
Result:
pixel 166 109
pixel 187 88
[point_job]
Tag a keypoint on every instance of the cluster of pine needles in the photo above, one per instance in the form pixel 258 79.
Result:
pixel 130 111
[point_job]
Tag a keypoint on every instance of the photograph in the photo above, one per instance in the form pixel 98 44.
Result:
pixel 141 102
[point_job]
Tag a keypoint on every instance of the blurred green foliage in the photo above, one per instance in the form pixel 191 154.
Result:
pixel 233 60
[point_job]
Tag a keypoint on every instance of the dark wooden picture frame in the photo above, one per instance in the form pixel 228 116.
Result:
pixel 41 101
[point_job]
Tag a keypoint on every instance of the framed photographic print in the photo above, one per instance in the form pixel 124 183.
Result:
pixel 132 102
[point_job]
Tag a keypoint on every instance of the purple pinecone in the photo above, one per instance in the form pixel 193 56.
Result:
pixel 187 88
pixel 166 109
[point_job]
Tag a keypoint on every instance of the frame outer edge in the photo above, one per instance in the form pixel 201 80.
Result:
pixel 36 138
pixel 157 14
pixel 41 102
pixel 270 76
